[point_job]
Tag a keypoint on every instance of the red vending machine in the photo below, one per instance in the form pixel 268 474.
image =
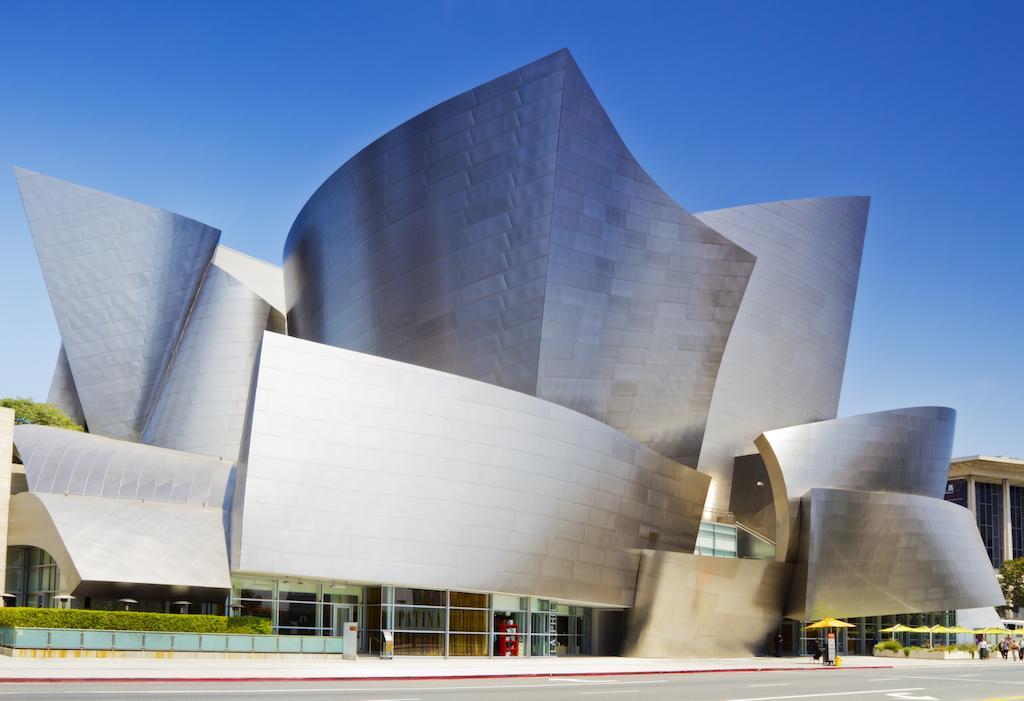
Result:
pixel 508 640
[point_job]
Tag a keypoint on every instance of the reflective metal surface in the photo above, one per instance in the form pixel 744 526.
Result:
pixel 365 469
pixel 63 393
pixel 200 407
pixel 508 235
pixel 121 277
pixel 97 539
pixel 263 278
pixel 784 361
pixel 876 553
pixel 901 450
pixel 59 461
pixel 696 606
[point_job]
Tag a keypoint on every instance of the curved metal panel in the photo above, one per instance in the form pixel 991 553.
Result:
pixel 360 468
pixel 59 461
pixel 63 393
pixel 901 450
pixel 265 279
pixel 697 606
pixel 121 277
pixel 783 364
pixel 96 539
pixel 508 235
pixel 430 245
pixel 641 295
pixel 872 553
pixel 201 406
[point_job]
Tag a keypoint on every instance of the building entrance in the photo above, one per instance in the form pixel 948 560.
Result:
pixel 340 615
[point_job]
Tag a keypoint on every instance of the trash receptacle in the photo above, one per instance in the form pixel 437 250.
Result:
pixel 387 651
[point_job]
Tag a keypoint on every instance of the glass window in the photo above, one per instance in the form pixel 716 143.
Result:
pixel 1017 520
pixel 295 614
pixel 419 597
pixel 989 498
pixel 416 618
pixel 431 644
pixel 468 620
pixel 467 600
pixel 246 588
pixel 466 645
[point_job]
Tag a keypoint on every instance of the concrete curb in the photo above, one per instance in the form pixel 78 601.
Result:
pixel 420 677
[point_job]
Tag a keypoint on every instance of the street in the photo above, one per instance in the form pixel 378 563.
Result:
pixel 968 682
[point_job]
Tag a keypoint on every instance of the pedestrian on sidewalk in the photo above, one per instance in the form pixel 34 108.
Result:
pixel 983 649
pixel 1014 649
pixel 778 645
pixel 1004 647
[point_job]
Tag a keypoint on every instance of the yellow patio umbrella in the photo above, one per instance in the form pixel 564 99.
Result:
pixel 898 628
pixel 992 630
pixel 960 629
pixel 829 623
pixel 937 628
pixel 919 629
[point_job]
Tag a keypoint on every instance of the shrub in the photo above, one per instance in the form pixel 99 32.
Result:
pixel 889 645
pixel 253 625
pixel 28 412
pixel 130 620
pixel 906 652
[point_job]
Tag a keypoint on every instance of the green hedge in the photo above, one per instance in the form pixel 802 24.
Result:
pixel 131 620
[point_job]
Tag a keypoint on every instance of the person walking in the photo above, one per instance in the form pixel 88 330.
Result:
pixel 1014 649
pixel 983 649
pixel 1004 647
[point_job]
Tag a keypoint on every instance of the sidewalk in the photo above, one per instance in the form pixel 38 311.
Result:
pixel 24 669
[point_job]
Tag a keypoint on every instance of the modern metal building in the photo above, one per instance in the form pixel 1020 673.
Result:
pixel 505 396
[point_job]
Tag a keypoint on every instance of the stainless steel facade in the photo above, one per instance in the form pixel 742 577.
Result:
pixel 100 543
pixel 506 344
pixel 902 450
pixel 121 277
pixel 784 362
pixel 200 407
pixel 361 468
pixel 58 461
pixel 694 606
pixel 508 235
pixel 877 553
pixel 63 394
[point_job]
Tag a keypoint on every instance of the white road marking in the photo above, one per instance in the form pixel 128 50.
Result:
pixel 911 697
pixel 968 675
pixel 582 681
pixel 881 679
pixel 834 693
pixel 961 679
pixel 594 693
pixel 772 684
pixel 322 690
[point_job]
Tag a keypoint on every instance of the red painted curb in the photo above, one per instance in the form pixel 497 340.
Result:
pixel 537 675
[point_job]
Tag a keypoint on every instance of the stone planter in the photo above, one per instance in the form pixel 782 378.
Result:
pixel 927 654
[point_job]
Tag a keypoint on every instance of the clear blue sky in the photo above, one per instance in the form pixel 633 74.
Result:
pixel 233 113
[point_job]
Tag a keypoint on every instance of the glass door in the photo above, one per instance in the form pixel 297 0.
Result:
pixel 340 615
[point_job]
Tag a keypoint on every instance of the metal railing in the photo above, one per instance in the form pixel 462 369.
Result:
pixel 74 639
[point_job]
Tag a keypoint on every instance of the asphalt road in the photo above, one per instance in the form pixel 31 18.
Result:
pixel 975 682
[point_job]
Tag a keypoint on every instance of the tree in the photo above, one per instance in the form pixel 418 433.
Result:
pixel 1011 579
pixel 28 412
